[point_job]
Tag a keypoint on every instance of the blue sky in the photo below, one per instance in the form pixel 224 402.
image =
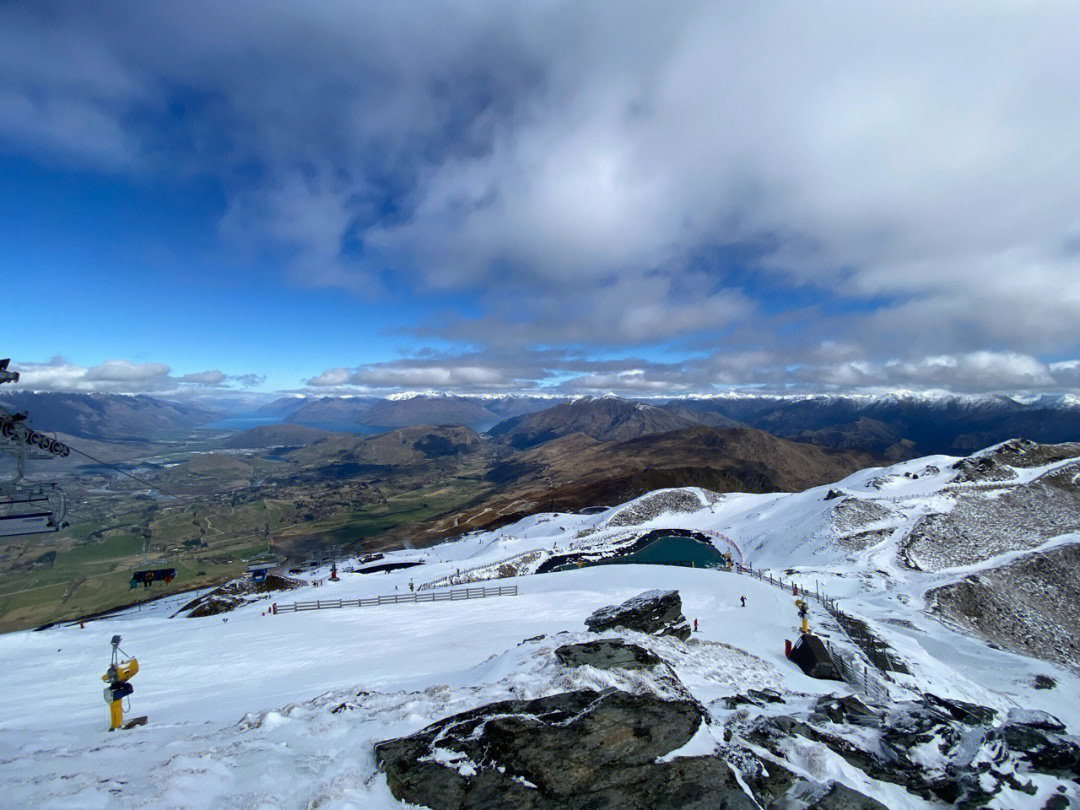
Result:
pixel 476 197
pixel 136 270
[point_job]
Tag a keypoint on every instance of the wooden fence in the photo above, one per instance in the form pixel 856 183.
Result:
pixel 876 651
pixel 454 595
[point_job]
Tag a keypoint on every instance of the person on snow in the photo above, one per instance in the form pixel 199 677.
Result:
pixel 743 600
pixel 695 625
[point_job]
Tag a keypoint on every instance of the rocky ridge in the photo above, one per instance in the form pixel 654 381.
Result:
pixel 653 612
pixel 633 746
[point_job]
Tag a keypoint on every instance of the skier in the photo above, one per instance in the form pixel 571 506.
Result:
pixel 695 625
pixel 743 600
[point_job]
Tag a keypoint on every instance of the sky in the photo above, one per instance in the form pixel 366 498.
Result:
pixel 645 198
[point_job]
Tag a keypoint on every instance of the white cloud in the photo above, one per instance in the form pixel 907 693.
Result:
pixel 910 152
pixel 215 377
pixel 330 377
pixel 124 377
pixel 442 377
pixel 629 380
pixel 125 371
pixel 829 367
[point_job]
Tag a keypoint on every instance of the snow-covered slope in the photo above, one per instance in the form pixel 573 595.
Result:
pixel 268 711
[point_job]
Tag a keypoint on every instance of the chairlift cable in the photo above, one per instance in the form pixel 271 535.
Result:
pixel 142 481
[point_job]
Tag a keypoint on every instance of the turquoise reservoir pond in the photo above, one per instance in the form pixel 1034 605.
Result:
pixel 670 549
pixel 676 549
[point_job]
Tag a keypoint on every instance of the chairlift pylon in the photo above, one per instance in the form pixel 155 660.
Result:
pixel 28 507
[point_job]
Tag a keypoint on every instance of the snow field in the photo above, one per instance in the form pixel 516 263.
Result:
pixel 240 712
pixel 282 711
pixel 197 670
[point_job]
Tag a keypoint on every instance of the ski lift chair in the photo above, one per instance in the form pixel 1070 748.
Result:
pixel 147 575
pixel 259 571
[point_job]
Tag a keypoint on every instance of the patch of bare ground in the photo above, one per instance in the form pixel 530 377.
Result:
pixel 983 524
pixel 235 593
pixel 1021 453
pixel 652 506
pixel 856 523
pixel 860 541
pixel 856 514
pixel 1030 606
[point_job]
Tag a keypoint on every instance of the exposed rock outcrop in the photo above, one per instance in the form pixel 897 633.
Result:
pixel 979 527
pixel 607 654
pixel 940 750
pixel 235 593
pixel 980 469
pixel 580 749
pixel 831 796
pixel 657 613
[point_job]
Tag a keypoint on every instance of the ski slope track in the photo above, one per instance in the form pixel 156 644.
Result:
pixel 255 710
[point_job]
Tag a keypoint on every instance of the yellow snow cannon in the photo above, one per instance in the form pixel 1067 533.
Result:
pixel 117 676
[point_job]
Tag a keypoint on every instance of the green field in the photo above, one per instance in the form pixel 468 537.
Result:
pixel 351 528
pixel 207 544
pixel 231 505
pixel 91 576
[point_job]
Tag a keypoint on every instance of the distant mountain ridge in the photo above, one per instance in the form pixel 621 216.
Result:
pixel 426 410
pixel 283 406
pixel 605 419
pixel 409 445
pixel 901 425
pixel 325 410
pixel 397 411
pixel 576 470
pixel 280 435
pixel 891 426
pixel 107 416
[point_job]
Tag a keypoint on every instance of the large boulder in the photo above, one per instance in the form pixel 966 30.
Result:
pixel 829 796
pixel 576 750
pixel 845 709
pixel 607 653
pixel 657 613
pixel 1040 740
pixel 941 750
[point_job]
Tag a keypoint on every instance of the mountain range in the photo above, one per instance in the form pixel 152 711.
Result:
pixel 606 419
pixel 572 472
pixel 891 427
pixel 901 425
pixel 107 416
